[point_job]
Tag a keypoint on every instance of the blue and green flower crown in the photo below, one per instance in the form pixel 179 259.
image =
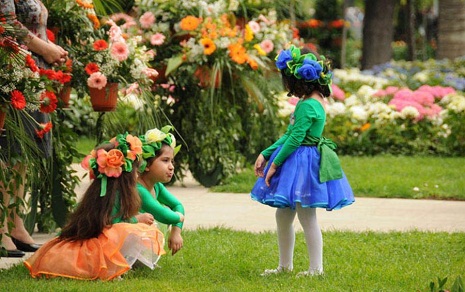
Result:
pixel 152 142
pixel 304 66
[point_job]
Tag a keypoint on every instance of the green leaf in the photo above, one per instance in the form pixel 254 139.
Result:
pixel 173 64
pixel 458 285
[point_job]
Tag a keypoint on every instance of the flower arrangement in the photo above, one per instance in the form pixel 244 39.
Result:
pixel 206 38
pixel 109 57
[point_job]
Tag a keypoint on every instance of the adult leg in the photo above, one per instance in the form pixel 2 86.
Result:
pixel 313 238
pixel 286 240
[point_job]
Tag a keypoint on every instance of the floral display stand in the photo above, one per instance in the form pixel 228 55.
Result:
pixel 105 99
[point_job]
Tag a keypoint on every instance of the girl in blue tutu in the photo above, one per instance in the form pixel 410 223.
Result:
pixel 303 171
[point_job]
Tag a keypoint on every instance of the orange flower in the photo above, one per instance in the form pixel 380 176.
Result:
pixel 314 23
pixel 238 53
pixel 365 127
pixel 208 46
pixel 110 163
pixel 337 23
pixel 135 146
pixel 84 5
pixel 94 19
pixel 190 22
pixel 252 63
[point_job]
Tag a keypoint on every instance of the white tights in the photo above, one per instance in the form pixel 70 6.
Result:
pixel 286 237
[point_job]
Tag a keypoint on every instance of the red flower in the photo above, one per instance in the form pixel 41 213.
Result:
pixel 49 73
pixel 50 35
pixel 92 68
pixel 31 63
pixel 100 45
pixel 44 129
pixel 48 102
pixel 18 101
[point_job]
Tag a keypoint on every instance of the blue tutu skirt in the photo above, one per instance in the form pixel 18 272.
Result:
pixel 297 181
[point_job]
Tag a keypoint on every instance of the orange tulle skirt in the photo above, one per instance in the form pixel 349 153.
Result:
pixel 108 256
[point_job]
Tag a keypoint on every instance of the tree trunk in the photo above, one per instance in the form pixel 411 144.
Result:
pixel 411 30
pixel 451 31
pixel 378 29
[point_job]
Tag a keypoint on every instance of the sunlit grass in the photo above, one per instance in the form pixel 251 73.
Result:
pixel 220 259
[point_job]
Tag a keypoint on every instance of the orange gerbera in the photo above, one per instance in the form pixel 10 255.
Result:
pixel 209 46
pixel 84 4
pixel 94 19
pixel 190 22
pixel 238 53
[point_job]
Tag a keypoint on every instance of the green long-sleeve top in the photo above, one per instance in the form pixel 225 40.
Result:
pixel 163 206
pixel 115 212
pixel 308 120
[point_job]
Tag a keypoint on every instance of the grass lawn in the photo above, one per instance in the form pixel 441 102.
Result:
pixel 219 259
pixel 387 177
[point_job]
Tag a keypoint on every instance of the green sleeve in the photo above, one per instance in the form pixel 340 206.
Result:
pixel 304 115
pixel 268 151
pixel 164 207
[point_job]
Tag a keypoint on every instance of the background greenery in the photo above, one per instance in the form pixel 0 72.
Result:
pixel 386 176
pixel 220 259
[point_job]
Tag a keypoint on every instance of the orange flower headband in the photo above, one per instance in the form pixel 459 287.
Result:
pixel 103 164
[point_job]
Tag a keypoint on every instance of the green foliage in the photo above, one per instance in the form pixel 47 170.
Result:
pixel 457 286
pixel 220 259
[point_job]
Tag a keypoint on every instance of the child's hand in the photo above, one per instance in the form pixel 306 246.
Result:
pixel 146 218
pixel 175 240
pixel 270 173
pixel 260 165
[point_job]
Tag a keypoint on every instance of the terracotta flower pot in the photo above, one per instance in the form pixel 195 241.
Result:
pixel 105 99
pixel 64 95
pixel 204 74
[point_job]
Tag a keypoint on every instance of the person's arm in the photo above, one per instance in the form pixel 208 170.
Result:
pixel 50 52
pixel 156 207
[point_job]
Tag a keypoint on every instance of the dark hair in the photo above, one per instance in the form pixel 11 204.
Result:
pixel 94 212
pixel 157 154
pixel 300 87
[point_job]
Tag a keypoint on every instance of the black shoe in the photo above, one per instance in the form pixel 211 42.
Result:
pixel 15 254
pixel 27 247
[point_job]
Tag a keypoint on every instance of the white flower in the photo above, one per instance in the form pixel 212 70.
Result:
pixel 409 112
pixel 173 140
pixel 154 135
pixel 416 189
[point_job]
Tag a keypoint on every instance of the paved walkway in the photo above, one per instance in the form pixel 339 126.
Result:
pixel 237 211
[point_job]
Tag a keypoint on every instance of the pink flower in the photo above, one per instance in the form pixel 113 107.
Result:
pixel 133 88
pixel 119 51
pixel 264 19
pixel 157 39
pixel 267 46
pixel 97 80
pixel 337 92
pixel 254 26
pixel 149 72
pixel 147 19
pixel 115 33
pixel 293 100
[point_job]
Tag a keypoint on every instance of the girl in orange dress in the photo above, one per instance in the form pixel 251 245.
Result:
pixel 105 235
